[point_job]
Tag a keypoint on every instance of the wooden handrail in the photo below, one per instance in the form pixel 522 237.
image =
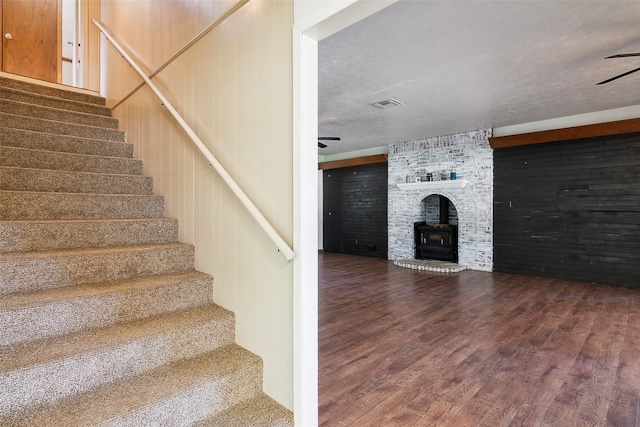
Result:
pixel 253 210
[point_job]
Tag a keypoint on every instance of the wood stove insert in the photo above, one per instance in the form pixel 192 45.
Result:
pixel 436 241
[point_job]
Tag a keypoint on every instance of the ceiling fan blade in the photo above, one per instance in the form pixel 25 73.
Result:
pixel 321 145
pixel 618 76
pixel 622 55
pixel 328 138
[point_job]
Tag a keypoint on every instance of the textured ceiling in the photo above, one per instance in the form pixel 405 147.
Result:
pixel 465 65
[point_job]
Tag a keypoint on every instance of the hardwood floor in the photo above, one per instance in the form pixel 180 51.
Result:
pixel 401 347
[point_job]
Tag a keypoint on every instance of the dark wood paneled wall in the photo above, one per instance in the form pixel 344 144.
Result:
pixel 357 161
pixel 355 210
pixel 569 209
pixel 575 133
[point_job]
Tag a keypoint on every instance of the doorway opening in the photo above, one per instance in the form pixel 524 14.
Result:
pixel 71 59
pixel 43 40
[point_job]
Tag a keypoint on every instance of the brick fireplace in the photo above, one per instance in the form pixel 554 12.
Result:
pixel 471 194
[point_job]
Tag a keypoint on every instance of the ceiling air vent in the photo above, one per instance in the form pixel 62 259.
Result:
pixel 387 103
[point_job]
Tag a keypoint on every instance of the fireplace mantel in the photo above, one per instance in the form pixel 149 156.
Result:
pixel 433 185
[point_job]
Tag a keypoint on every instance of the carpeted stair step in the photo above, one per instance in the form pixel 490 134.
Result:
pixel 48 371
pixel 40 159
pixel 260 411
pixel 61 128
pixel 103 318
pixel 66 144
pixel 51 235
pixel 27 205
pixel 79 96
pixel 53 102
pixel 178 394
pixel 48 113
pixel 21 179
pixel 54 312
pixel 32 271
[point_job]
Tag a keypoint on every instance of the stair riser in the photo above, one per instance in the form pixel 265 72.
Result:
pixel 50 91
pixel 36 159
pixel 19 179
pixel 24 236
pixel 61 128
pixel 67 144
pixel 47 271
pixel 48 113
pixel 24 206
pixel 204 401
pixel 57 103
pixel 77 374
pixel 56 319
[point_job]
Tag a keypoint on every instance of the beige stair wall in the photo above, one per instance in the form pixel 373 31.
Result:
pixel 234 89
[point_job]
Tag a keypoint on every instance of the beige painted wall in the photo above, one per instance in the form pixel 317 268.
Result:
pixel 234 89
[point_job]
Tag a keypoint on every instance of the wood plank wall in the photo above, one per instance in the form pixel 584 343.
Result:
pixel 355 210
pixel 569 209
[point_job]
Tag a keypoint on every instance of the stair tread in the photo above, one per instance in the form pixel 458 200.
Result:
pixel 81 221
pixel 31 271
pixel 23 300
pixel 71 181
pixel 21 356
pixel 56 234
pixel 48 100
pixel 83 173
pixel 112 401
pixel 14 121
pixel 38 205
pixel 76 158
pixel 63 143
pixel 26 109
pixel 260 411
pixel 58 122
pixel 150 196
pixel 92 251
pixel 61 92
pixel 79 174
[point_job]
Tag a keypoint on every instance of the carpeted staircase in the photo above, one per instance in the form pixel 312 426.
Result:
pixel 103 319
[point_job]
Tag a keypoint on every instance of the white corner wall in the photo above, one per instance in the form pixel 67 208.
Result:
pixel 234 88
pixel 313 20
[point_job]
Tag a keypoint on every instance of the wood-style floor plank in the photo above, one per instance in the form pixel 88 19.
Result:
pixel 400 347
